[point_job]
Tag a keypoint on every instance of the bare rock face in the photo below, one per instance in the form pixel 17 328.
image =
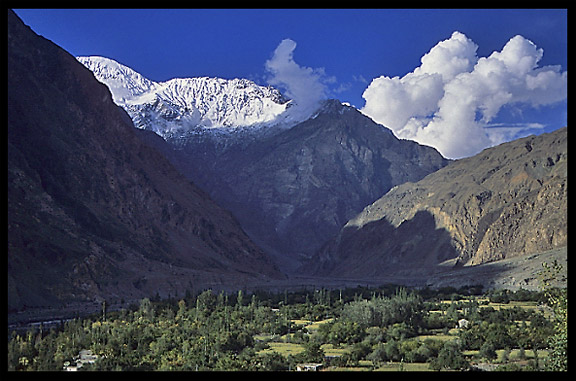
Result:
pixel 292 178
pixel 507 201
pixel 294 190
pixel 92 211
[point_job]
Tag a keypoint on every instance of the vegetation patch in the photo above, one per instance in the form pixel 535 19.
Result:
pixel 381 329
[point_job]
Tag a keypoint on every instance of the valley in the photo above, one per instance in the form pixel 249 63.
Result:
pixel 215 224
pixel 121 188
pixel 291 183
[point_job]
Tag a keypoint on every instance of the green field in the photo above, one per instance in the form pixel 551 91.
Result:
pixel 284 349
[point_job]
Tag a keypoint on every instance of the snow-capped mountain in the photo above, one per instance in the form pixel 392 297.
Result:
pixel 181 106
pixel 292 175
pixel 126 85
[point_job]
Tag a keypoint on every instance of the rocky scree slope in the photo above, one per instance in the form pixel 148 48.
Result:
pixel 507 201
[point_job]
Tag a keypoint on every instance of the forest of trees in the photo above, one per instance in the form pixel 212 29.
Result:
pixel 218 331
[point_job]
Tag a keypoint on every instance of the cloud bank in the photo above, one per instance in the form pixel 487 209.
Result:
pixel 449 101
pixel 305 86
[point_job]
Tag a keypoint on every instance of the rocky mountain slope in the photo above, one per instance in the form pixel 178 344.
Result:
pixel 292 184
pixel 92 211
pixel 294 190
pixel 507 201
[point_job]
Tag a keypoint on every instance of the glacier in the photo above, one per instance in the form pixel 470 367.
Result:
pixel 184 107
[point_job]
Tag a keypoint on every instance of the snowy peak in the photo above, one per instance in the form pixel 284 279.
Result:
pixel 181 106
pixel 222 102
pixel 124 83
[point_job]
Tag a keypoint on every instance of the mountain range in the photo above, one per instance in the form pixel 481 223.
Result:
pixel 291 183
pixel 93 212
pixel 508 201
pixel 182 107
pixel 121 187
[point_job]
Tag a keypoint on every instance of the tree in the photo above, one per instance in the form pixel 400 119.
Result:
pixel 378 356
pixel 239 299
pixel 271 362
pixel 343 331
pixel 557 299
pixel 499 296
pixel 146 310
pixel 392 350
pixel 450 357
pixel 383 311
pixel 182 311
pixel 312 352
pixel 104 309
pixel 488 351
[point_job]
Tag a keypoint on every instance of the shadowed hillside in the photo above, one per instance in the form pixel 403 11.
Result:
pixel 92 211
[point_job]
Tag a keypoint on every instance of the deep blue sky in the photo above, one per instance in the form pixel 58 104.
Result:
pixel 349 44
pixel 353 46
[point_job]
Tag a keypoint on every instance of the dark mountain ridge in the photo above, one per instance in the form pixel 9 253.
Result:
pixel 93 212
pixel 96 211
pixel 294 189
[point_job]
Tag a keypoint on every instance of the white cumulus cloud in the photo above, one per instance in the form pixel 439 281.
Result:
pixel 304 85
pixel 449 101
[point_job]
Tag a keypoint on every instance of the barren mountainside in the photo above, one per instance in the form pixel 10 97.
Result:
pixel 291 183
pixel 294 190
pixel 131 188
pixel 507 201
pixel 93 212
